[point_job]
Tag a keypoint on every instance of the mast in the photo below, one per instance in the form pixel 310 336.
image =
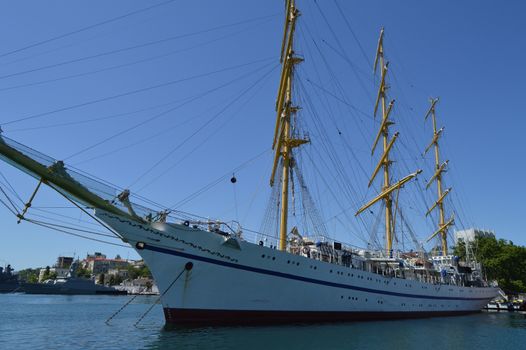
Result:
pixel 384 163
pixel 437 176
pixel 284 138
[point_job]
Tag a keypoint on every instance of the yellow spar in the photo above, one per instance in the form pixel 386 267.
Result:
pixel 284 142
pixel 384 161
pixel 437 176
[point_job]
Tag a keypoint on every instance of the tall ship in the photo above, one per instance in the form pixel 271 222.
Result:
pixel 209 272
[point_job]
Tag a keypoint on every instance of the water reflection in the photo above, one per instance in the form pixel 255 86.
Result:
pixel 481 331
pixel 50 322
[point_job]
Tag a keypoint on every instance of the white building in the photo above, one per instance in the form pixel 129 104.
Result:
pixel 470 234
pixel 61 273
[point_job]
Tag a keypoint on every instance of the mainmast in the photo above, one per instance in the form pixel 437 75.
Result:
pixel 384 163
pixel 439 169
pixel 284 139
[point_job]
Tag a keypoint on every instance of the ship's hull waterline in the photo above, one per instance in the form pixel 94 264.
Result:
pixel 231 281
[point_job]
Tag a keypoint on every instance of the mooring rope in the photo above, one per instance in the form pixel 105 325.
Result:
pixel 122 308
pixel 187 267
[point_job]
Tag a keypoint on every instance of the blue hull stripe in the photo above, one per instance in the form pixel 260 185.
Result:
pixel 298 278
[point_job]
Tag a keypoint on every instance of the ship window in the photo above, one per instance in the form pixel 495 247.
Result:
pixel 298 264
pixel 273 258
pixel 262 255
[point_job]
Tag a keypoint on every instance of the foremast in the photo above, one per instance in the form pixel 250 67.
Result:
pixel 437 176
pixel 388 189
pixel 284 139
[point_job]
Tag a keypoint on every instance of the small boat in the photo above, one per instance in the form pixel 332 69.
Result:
pixel 519 305
pixel 499 305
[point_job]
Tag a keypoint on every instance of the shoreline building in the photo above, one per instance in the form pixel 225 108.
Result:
pixel 469 235
pixel 98 263
pixel 60 269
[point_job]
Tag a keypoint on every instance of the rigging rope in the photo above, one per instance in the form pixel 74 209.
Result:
pixel 187 267
pixel 128 93
pixel 83 29
pixel 123 65
pixel 128 48
pixel 203 126
pixel 216 181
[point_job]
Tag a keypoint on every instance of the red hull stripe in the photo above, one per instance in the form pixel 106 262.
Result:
pixel 300 278
pixel 229 317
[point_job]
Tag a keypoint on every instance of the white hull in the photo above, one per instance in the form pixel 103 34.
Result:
pixel 236 279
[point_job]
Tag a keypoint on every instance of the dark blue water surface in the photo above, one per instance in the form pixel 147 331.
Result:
pixel 78 322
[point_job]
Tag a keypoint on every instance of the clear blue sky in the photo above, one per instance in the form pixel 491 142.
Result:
pixel 468 53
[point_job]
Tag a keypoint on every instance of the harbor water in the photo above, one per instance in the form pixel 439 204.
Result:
pixel 78 322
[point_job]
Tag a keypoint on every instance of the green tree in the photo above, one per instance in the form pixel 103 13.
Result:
pixel 460 249
pixel 502 261
pixel 148 286
pixel 133 272
pixel 145 272
pixel 84 273
pixel 29 275
pixel 46 274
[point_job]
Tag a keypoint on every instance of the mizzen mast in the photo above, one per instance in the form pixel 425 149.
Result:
pixel 437 176
pixel 384 163
pixel 284 137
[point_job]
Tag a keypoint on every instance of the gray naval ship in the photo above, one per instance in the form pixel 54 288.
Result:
pixel 72 284
pixel 8 281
